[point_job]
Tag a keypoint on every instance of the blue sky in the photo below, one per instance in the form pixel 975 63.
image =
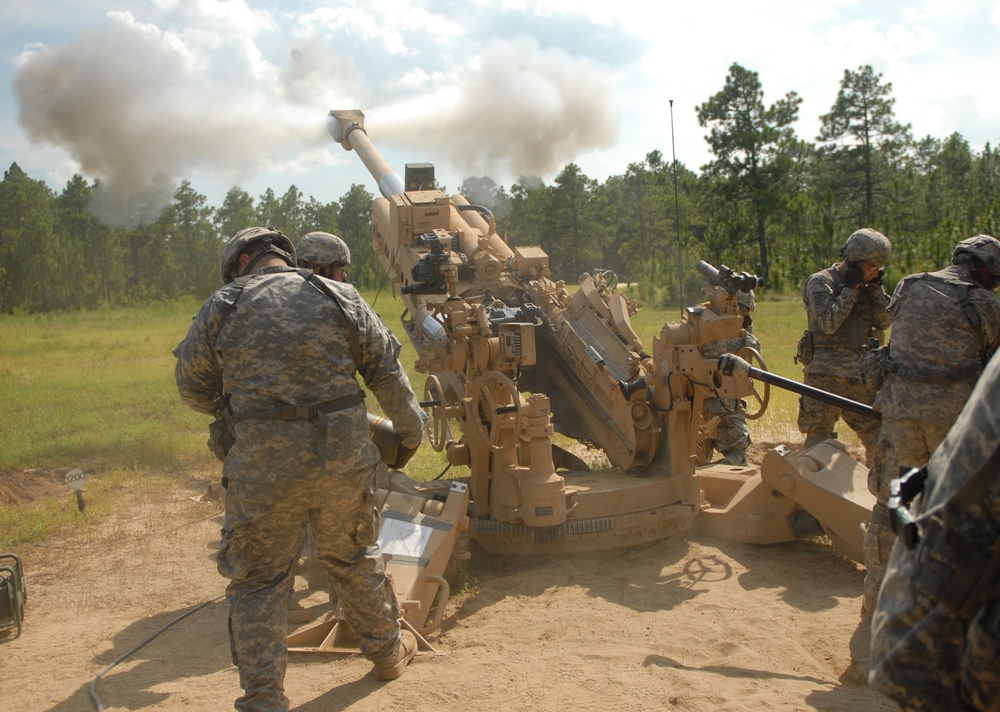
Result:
pixel 145 93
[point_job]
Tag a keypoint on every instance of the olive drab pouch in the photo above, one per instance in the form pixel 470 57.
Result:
pixel 873 364
pixel 220 436
pixel 804 352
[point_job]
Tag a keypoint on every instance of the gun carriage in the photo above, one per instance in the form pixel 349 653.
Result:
pixel 512 356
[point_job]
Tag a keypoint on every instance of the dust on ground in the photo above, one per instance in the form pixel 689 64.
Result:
pixel 684 624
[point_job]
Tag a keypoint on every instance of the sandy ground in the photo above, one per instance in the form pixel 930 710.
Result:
pixel 684 624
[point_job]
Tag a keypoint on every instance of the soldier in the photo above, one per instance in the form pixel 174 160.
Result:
pixel 325 254
pixel 845 305
pixel 936 629
pixel 289 344
pixel 328 256
pixel 731 435
pixel 945 327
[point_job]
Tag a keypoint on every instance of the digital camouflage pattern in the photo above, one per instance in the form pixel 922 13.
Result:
pixel 287 343
pixel 867 245
pixel 261 540
pixel 917 414
pixel 925 655
pixel 322 248
pixel 934 337
pixel 732 434
pixel 900 443
pixel 278 243
pixel 841 320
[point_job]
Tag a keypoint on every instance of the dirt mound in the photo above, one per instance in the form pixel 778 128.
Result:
pixel 26 486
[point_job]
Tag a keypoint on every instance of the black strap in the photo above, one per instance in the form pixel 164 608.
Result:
pixel 911 374
pixel 224 313
pixel 317 412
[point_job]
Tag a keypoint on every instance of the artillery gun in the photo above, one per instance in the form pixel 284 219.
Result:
pixel 512 356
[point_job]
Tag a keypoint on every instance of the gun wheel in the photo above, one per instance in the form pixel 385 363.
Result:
pixel 496 414
pixel 761 391
pixel 438 429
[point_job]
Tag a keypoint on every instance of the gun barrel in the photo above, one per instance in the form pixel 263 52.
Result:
pixel 708 272
pixel 347 127
pixel 733 365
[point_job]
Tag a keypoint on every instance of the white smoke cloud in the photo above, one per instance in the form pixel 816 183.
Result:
pixel 136 105
pixel 141 108
pixel 515 110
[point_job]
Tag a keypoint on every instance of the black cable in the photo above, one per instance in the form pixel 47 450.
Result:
pixel 442 473
pixel 93 686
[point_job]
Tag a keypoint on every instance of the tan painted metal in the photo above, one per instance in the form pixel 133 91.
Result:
pixel 512 357
pixel 417 536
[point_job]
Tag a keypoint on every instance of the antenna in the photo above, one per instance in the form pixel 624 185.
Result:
pixel 677 213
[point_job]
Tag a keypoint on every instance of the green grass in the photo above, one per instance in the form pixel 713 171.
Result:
pixel 113 490
pixel 97 388
pixel 93 385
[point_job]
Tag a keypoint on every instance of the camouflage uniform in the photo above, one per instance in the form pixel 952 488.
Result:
pixel 841 320
pixel 937 361
pixel 732 434
pixel 935 643
pixel 287 344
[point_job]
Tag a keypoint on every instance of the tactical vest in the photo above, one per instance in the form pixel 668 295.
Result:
pixel 857 328
pixel 222 434
pixel 965 304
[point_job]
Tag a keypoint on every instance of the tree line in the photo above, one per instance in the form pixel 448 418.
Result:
pixel 767 202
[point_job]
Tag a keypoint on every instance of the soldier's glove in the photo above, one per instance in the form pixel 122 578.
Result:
pixel 404 455
pixel 853 274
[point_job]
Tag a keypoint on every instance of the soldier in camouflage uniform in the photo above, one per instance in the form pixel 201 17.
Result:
pixel 325 254
pixel 289 344
pixel 328 256
pixel 845 305
pixel 731 437
pixel 945 327
pixel 936 628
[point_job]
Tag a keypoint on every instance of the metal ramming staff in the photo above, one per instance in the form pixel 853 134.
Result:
pixel 733 365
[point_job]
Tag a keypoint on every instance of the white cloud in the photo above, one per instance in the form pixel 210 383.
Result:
pixel 209 88
pixel 354 20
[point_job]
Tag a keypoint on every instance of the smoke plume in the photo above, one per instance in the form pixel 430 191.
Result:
pixel 139 109
pixel 517 110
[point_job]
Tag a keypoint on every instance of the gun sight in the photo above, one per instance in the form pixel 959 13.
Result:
pixel 729 279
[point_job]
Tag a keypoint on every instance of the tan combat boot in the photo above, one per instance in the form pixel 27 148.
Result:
pixel 393 666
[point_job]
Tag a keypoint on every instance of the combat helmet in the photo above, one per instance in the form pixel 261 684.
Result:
pixel 274 241
pixel 746 299
pixel 867 245
pixel 322 248
pixel 985 247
